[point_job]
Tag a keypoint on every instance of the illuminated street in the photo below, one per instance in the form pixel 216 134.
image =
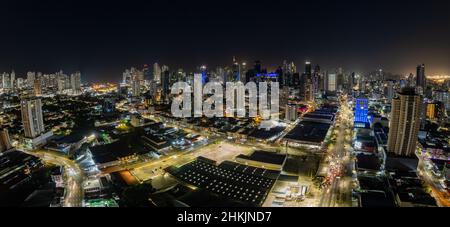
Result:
pixel 73 176
pixel 338 191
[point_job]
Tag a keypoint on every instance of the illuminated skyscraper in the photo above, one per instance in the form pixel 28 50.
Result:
pixel 32 119
pixel 31 76
pixel 136 87
pixel 421 80
pixel 75 82
pixel 291 113
pixel 361 113
pixel 37 87
pixel 5 142
pixel 331 82
pixel 156 72
pixel 404 122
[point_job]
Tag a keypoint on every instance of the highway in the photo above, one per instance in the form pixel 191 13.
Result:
pixel 73 175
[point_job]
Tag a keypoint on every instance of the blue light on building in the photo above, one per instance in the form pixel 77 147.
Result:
pixel 269 75
pixel 361 113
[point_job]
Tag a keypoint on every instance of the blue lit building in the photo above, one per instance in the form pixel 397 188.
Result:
pixel 361 113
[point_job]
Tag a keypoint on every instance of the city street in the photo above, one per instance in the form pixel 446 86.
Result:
pixel 73 176
pixel 338 192
pixel 437 191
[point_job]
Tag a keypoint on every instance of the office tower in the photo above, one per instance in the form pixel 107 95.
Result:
pixel 284 96
pixel 75 83
pixel 61 84
pixel 308 69
pixel 258 67
pixel 126 77
pixel 20 83
pixel 404 122
pixel 291 113
pixel 340 79
pixel 389 89
pixel 243 72
pixel 421 80
pixel 37 87
pixel 316 79
pixel 236 70
pixel 435 110
pixel 352 81
pixel 136 88
pixel 442 96
pixel 32 119
pixel 5 142
pixel 5 81
pixel 148 75
pixel 165 84
pixel 308 89
pixel 30 79
pixel 12 79
pixel 331 82
pixel 156 72
pixel 361 113
pixel 204 77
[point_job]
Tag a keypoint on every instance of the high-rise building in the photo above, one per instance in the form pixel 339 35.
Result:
pixel 404 122
pixel 236 70
pixel 5 80
pixel 20 83
pixel 361 113
pixel 421 80
pixel 136 88
pixel 308 69
pixel 291 113
pixel 61 84
pixel 5 142
pixel 435 111
pixel 156 72
pixel 340 79
pixel 389 89
pixel 331 82
pixel 32 119
pixel 442 96
pixel 75 82
pixel 165 84
pixel 31 76
pixel 37 87
pixel 258 67
pixel 12 79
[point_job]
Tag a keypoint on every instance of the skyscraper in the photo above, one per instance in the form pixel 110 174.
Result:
pixel 404 122
pixel 5 142
pixel 136 88
pixel 291 114
pixel 308 69
pixel 331 82
pixel 421 80
pixel 37 87
pixel 32 120
pixel 156 72
pixel 30 79
pixel 165 84
pixel 75 82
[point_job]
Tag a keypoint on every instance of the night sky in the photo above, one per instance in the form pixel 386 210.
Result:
pixel 103 38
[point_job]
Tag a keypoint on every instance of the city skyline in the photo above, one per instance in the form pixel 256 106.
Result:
pixel 101 39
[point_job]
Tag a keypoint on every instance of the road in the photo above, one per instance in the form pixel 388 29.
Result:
pixel 338 193
pixel 73 175
pixel 437 191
